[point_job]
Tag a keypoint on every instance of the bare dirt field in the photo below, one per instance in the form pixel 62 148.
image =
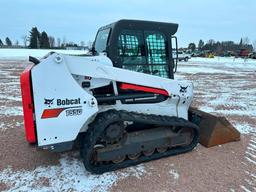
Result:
pixel 223 87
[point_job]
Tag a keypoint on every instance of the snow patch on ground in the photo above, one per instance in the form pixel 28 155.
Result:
pixel 11 111
pixel 235 108
pixel 2 126
pixel 244 128
pixel 8 97
pixel 19 124
pixel 9 125
pixel 174 174
pixel 207 109
pixel 16 83
pixel 245 189
pixel 70 175
pixel 136 171
pixel 250 158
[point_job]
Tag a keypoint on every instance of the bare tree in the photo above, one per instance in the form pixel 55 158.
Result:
pixel 254 45
pixel 58 42
pixel 82 43
pixel 64 42
pixel 52 41
pixel 25 39
pixel 89 44
pixel 246 41
pixel 16 42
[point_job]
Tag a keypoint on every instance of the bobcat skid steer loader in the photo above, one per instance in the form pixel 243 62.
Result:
pixel 120 101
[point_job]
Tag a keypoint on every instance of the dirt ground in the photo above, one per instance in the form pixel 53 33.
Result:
pixel 231 167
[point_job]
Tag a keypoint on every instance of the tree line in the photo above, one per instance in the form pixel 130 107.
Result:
pixel 41 40
pixel 8 42
pixel 44 41
pixel 222 46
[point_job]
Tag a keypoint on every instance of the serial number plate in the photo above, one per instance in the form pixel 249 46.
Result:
pixel 73 112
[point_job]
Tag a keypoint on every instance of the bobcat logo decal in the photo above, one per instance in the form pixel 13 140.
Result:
pixel 183 89
pixel 48 102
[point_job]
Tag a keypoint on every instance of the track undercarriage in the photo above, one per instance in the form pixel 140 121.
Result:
pixel 118 139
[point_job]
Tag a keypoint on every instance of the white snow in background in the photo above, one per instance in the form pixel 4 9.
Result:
pixel 240 112
pixel 25 53
pixel 201 69
pixel 70 175
pixel 224 65
pixel 228 62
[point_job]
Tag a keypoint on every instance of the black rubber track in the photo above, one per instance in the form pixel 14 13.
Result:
pixel 102 120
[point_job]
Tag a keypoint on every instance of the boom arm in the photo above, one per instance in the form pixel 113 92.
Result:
pixel 61 102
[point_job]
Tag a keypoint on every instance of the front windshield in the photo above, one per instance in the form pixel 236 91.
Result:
pixel 101 40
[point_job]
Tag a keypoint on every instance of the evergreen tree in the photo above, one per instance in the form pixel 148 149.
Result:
pixel 241 43
pixel 34 38
pixel 25 39
pixel 200 44
pixel 192 46
pixel 1 43
pixel 44 41
pixel 8 41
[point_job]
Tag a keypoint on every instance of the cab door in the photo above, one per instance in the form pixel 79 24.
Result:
pixel 143 51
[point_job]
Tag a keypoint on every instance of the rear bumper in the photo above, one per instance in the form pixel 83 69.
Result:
pixel 28 104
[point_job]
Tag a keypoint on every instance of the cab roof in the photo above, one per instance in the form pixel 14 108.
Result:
pixel 170 28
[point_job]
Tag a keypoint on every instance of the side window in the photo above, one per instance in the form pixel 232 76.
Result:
pixel 156 53
pixel 130 50
pixel 101 40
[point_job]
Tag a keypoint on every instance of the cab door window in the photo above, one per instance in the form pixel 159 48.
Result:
pixel 156 46
pixel 143 52
pixel 131 51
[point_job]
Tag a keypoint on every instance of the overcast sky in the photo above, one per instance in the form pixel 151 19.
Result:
pixel 78 20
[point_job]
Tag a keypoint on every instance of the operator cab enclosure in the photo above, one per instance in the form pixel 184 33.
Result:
pixel 142 46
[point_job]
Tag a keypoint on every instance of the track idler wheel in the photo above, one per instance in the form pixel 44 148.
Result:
pixel 119 160
pixel 161 149
pixel 134 156
pixel 148 152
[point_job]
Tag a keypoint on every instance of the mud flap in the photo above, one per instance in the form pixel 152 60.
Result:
pixel 213 130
